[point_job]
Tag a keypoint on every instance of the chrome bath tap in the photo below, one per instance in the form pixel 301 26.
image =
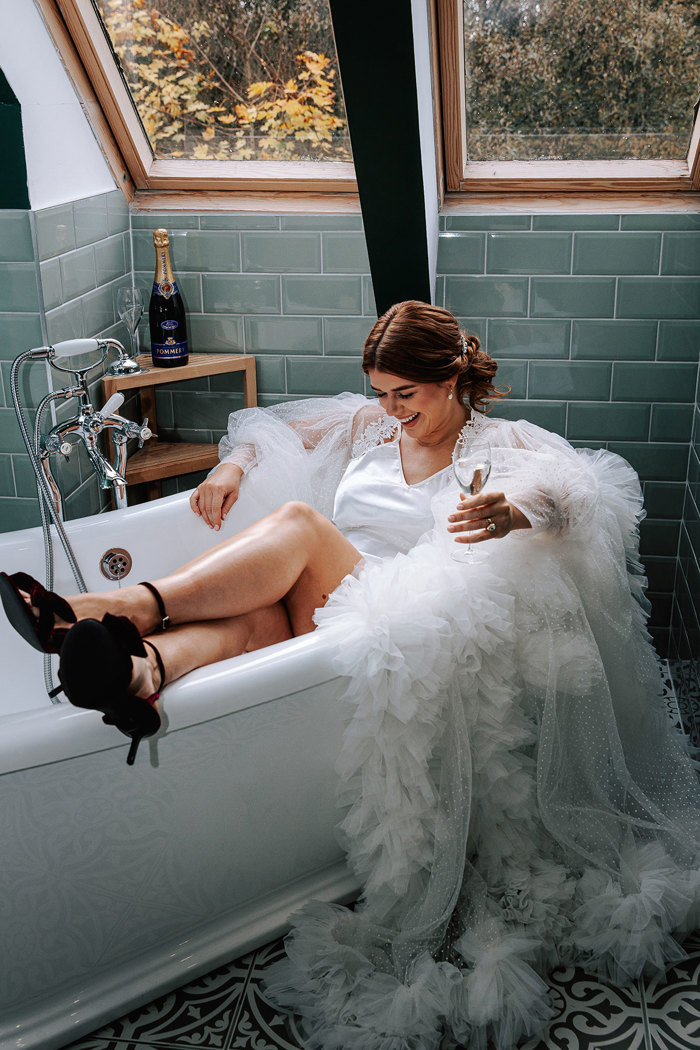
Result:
pixel 87 427
pixel 89 422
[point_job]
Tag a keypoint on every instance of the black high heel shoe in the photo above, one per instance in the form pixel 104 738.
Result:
pixel 39 630
pixel 95 673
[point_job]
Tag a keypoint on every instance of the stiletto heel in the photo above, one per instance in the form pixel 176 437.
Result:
pixel 136 737
pixel 95 673
pixel 39 630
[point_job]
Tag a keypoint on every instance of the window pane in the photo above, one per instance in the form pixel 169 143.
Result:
pixel 580 79
pixel 232 79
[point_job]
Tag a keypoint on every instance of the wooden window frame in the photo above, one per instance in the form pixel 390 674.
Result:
pixel 79 36
pixel 479 177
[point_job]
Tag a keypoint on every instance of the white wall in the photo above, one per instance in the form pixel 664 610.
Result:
pixel 64 162
pixel 426 127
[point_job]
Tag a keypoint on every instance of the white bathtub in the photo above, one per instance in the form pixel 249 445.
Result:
pixel 118 884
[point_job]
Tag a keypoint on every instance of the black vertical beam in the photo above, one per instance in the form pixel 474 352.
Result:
pixel 374 43
pixel 13 170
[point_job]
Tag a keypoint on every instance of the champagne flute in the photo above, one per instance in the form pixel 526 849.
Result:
pixel 130 308
pixel 471 462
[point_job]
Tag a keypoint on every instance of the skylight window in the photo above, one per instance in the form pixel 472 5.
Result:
pixel 211 95
pixel 570 95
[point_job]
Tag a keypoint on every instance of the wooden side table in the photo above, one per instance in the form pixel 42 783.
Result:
pixel 165 459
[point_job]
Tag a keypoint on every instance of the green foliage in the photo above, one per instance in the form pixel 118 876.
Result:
pixel 581 78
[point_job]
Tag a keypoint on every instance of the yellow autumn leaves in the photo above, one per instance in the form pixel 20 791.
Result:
pixel 189 110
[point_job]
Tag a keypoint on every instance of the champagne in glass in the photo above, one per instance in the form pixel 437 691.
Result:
pixel 130 307
pixel 471 462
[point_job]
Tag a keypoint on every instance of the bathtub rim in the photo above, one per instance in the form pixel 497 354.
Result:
pixel 60 732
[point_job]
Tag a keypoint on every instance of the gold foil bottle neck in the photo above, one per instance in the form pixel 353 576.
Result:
pixel 164 270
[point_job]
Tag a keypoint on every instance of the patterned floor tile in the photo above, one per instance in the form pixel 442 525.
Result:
pixel 590 1015
pixel 685 676
pixel 116 1044
pixel 670 698
pixel 262 1026
pixel 673 1006
pixel 200 1014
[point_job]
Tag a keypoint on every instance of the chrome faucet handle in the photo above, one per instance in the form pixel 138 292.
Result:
pixel 55 443
pixel 112 404
pixel 145 432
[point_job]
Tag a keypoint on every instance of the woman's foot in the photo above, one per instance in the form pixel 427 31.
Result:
pixel 146 678
pixel 41 617
pixel 141 603
pixel 106 667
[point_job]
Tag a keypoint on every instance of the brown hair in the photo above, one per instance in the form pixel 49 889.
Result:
pixel 423 343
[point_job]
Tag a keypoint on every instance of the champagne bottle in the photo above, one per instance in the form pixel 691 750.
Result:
pixel 166 311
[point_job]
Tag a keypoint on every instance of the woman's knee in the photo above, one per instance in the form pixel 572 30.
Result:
pixel 295 511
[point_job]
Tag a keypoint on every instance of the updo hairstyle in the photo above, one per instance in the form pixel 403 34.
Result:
pixel 424 343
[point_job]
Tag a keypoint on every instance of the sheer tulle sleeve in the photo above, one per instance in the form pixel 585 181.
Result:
pixel 300 448
pixel 543 476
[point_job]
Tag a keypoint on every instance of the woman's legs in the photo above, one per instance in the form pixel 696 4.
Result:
pixel 196 644
pixel 288 562
pixel 293 555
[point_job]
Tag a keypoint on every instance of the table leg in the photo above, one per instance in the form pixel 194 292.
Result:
pixel 250 389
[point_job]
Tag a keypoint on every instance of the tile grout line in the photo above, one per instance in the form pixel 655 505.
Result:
pixel 645 1013
pixel 241 999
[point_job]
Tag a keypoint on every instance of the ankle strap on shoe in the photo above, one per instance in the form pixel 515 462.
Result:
pixel 164 618
pixel 161 668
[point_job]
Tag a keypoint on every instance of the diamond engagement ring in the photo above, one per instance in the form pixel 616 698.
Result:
pixel 491 527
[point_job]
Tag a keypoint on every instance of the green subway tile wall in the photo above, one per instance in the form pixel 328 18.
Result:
pixel 602 316
pixel 59 277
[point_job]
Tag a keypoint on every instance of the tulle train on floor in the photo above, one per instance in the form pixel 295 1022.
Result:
pixel 514 795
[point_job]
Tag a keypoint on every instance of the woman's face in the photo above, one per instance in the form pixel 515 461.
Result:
pixel 421 408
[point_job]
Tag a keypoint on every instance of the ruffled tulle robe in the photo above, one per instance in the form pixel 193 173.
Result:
pixel 513 794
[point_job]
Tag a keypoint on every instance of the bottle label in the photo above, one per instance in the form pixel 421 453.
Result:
pixel 172 350
pixel 166 289
pixel 170 347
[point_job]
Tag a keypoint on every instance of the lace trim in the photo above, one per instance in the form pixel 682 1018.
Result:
pixel 384 429
pixel 375 433
pixel 475 425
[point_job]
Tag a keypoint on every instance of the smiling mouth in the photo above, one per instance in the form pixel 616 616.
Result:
pixel 409 419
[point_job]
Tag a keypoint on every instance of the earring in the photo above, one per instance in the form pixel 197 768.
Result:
pixel 449 396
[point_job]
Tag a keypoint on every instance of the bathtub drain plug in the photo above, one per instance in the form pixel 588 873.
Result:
pixel 115 564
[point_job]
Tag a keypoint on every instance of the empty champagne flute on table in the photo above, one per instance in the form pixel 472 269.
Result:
pixel 130 307
pixel 471 462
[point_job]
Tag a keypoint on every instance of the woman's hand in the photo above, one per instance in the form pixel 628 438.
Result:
pixel 476 514
pixel 213 499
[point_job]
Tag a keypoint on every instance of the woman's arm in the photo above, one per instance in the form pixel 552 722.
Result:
pixel 322 427
pixel 546 486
